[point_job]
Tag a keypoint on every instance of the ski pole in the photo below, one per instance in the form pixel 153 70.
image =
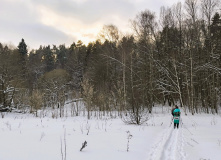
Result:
pixel 171 121
pixel 181 120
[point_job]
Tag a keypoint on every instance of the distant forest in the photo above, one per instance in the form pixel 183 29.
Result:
pixel 172 59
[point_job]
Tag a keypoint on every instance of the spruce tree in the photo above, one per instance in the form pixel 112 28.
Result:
pixel 22 47
pixel 22 50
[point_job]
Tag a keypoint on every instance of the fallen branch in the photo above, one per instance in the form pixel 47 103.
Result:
pixel 83 145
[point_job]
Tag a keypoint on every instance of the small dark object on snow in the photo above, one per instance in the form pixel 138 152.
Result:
pixel 83 145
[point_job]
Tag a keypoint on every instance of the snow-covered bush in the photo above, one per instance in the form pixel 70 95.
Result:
pixel 138 115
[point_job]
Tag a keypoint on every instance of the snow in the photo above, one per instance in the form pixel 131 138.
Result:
pixel 25 137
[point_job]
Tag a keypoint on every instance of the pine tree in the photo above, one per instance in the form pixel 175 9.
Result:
pixel 216 33
pixel 48 59
pixel 22 47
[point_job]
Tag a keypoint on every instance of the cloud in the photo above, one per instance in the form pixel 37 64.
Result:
pixel 46 35
pixel 22 20
pixel 34 35
pixel 88 11
pixel 44 22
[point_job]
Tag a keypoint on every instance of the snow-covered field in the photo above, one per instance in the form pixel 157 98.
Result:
pixel 25 137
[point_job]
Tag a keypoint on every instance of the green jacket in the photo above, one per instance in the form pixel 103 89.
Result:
pixel 176 115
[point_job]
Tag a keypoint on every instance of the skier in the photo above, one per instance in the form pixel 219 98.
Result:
pixel 176 116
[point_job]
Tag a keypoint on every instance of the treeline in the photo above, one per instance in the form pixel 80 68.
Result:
pixel 173 59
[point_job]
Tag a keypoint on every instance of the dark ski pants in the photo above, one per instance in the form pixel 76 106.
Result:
pixel 176 125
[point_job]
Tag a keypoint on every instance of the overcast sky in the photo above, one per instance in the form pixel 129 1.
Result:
pixel 47 22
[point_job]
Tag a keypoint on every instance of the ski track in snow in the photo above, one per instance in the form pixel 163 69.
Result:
pixel 169 146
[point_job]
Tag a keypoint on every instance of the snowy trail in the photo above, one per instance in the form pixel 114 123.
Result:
pixel 169 146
